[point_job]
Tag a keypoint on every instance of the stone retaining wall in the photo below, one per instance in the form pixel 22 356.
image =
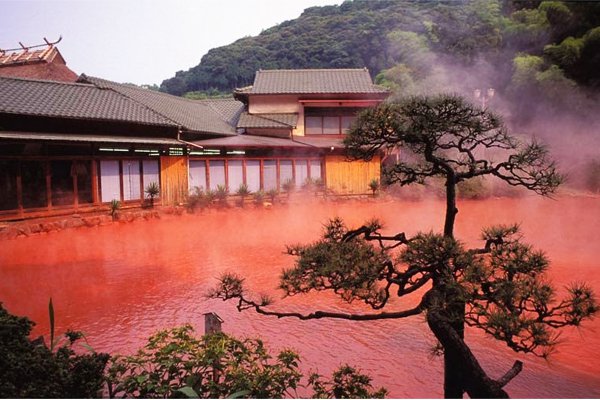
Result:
pixel 33 227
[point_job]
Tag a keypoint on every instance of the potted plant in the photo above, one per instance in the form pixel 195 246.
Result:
pixel 152 191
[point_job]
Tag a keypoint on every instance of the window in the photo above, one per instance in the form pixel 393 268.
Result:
pixel 197 175
pixel 285 172
pixel 328 121
pixel 8 185
pixel 151 174
pixel 131 180
pixel 301 172
pixel 217 173
pixel 235 175
pixel 83 171
pixel 315 169
pixel 110 180
pixel 270 174
pixel 33 180
pixel 61 178
pixel 253 175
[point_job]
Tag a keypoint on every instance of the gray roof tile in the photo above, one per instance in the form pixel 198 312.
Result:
pixel 268 120
pixel 72 100
pixel 192 115
pixel 313 81
pixel 246 141
pixel 230 109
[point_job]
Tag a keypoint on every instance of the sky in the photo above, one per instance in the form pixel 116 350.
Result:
pixel 140 41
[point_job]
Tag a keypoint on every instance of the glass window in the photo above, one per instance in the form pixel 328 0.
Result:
pixel 301 172
pixel 110 181
pixel 61 182
pixel 131 180
pixel 8 185
pixel 331 125
pixel 270 174
pixel 33 181
pixel 315 169
pixel 347 121
pixel 83 171
pixel 235 175
pixel 286 172
pixel 313 125
pixel 151 173
pixel 217 173
pixel 197 173
pixel 253 175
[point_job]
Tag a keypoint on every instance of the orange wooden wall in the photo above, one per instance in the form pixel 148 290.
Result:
pixel 173 180
pixel 351 177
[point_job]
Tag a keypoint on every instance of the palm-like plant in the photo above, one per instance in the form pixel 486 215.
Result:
pixel 152 191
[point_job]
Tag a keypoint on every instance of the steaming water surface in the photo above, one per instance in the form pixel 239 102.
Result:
pixel 120 283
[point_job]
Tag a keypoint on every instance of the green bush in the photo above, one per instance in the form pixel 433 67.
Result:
pixel 29 369
pixel 176 363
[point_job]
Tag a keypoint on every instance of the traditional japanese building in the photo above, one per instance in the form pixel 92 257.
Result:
pixel 36 62
pixel 75 146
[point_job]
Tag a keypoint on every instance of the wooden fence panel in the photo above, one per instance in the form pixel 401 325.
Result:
pixel 173 179
pixel 351 177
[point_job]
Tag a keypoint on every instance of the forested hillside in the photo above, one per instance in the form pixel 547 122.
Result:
pixel 529 43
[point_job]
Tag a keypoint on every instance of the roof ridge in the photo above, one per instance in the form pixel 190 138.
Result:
pixel 76 83
pixel 312 69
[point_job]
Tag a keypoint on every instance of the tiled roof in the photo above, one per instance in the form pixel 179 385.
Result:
pixel 313 81
pixel 246 141
pixel 321 142
pixel 267 120
pixel 230 109
pixel 72 100
pixel 64 137
pixel 191 115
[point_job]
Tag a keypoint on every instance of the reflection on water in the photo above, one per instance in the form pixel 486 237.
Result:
pixel 122 282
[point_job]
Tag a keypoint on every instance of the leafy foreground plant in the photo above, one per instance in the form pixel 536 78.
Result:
pixel 175 363
pixel 29 369
pixel 499 288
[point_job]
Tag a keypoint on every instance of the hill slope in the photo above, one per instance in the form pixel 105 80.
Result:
pixel 382 34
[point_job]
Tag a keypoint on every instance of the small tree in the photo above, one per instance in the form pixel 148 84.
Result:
pixel 499 288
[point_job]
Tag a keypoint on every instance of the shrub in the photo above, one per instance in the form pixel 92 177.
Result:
pixel 243 192
pixel 176 363
pixel 374 186
pixel 114 207
pixel 221 194
pixel 474 188
pixel 259 197
pixel 288 186
pixel 31 370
